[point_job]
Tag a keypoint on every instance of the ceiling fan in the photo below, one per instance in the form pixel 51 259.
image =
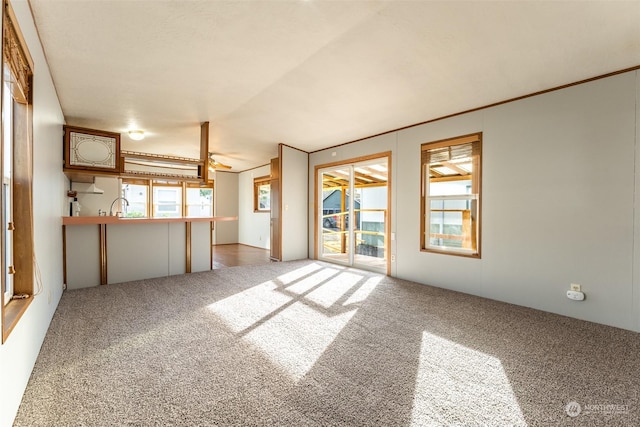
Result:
pixel 214 164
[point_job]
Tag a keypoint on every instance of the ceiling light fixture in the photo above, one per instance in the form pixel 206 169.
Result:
pixel 136 135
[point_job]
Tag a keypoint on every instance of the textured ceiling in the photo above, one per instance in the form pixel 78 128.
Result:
pixel 313 74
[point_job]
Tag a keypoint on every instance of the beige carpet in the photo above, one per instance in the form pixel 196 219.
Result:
pixel 312 344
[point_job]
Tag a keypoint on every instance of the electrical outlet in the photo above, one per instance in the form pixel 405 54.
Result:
pixel 575 295
pixel 393 258
pixel 575 287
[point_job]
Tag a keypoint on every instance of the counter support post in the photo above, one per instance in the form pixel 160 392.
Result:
pixel 103 254
pixel 188 248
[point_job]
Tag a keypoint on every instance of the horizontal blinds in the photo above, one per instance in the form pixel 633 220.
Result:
pixel 437 153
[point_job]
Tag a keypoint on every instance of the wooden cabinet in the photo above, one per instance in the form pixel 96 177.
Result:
pixel 92 151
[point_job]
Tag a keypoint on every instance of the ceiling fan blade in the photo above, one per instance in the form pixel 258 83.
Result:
pixel 214 164
pixel 222 166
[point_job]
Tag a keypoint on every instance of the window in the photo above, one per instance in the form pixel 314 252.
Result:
pixel 16 227
pixel 166 198
pixel 262 194
pixel 137 194
pixel 450 204
pixel 7 183
pixel 199 201
pixel 167 201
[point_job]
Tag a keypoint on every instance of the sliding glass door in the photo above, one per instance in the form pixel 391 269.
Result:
pixel 334 210
pixel 353 214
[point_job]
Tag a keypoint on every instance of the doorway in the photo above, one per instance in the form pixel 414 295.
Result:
pixel 353 213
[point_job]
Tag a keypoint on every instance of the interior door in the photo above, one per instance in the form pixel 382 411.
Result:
pixel 353 215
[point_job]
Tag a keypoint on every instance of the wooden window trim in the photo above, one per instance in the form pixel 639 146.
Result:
pixel 13 311
pixel 135 181
pixel 475 138
pixel 16 54
pixel 257 183
pixel 151 184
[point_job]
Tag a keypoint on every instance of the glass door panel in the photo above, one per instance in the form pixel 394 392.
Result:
pixel 370 213
pixel 334 226
pixel 353 230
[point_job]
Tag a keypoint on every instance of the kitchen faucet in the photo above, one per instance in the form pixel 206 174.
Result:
pixel 114 202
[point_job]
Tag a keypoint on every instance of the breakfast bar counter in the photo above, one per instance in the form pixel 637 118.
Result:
pixel 100 250
pixel 85 220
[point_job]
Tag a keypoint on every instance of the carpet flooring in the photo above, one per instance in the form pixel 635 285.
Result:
pixel 306 343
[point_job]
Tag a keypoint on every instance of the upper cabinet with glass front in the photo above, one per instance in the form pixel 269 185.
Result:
pixel 91 150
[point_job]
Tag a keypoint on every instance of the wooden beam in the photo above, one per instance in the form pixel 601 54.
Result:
pixel 160 158
pixel 204 150
pixel 456 168
pixel 450 178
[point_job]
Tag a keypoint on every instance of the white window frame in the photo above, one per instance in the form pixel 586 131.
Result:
pixel 7 189
pixel 187 204
pixel 179 205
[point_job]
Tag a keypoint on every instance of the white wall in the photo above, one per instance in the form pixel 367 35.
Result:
pixel 200 246
pixel 18 354
pixel 558 201
pixel 636 217
pixel 225 204
pixel 82 249
pixel 253 227
pixel 92 203
pixel 294 209
pixel 143 251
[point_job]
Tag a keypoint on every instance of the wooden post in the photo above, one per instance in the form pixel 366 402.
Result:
pixel 467 229
pixel 343 235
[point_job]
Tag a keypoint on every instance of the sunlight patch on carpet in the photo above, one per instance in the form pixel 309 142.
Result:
pixel 331 291
pixel 296 338
pixel 296 274
pixel 294 318
pixel 363 292
pixel 244 309
pixel 305 285
pixel 458 385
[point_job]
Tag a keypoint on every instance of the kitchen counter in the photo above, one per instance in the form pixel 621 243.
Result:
pixel 101 250
pixel 88 220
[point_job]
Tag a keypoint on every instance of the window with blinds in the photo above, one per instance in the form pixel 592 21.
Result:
pixel 16 144
pixel 450 196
